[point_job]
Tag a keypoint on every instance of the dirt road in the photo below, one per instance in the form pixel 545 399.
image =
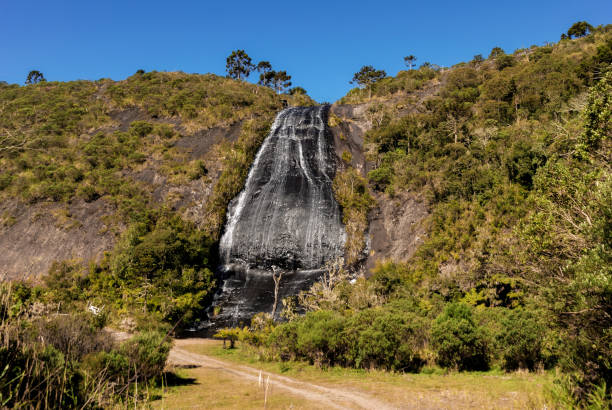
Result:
pixel 328 397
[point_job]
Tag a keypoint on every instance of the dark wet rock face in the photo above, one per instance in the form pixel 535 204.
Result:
pixel 286 217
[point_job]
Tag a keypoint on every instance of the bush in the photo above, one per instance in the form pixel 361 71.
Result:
pixel 376 338
pixel 522 340
pixel 147 353
pixel 140 358
pixel 458 341
pixel 74 335
pixel 319 337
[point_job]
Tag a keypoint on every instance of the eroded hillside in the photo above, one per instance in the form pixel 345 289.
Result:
pixel 82 161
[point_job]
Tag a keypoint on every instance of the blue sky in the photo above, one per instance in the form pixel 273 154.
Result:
pixel 320 43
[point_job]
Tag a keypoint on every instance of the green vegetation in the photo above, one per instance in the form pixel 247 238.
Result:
pixel 367 76
pixel 432 387
pixel 68 361
pixel 512 153
pixel 239 65
pixel 353 195
pixel 404 82
pixel 35 77
pixel 579 29
pixel 88 141
pixel 409 61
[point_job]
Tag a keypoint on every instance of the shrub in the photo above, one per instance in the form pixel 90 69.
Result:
pixel 228 334
pixel 376 338
pixel 73 335
pixel 283 341
pixel 147 353
pixel 458 341
pixel 319 337
pixel 522 340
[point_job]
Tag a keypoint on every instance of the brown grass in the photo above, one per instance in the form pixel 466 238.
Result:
pixel 483 390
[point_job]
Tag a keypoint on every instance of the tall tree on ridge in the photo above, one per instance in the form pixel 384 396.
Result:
pixel 579 29
pixel 367 76
pixel 266 74
pixel 409 61
pixel 281 81
pixel 239 65
pixel 35 77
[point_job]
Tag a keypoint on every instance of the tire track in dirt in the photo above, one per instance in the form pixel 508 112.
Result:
pixel 330 397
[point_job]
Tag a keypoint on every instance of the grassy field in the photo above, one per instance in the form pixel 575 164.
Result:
pixel 432 388
pixel 207 388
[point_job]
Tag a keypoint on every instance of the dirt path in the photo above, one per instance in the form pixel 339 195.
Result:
pixel 329 397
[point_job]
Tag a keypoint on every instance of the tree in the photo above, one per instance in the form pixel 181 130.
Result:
pixel 368 76
pixel 477 60
pixel 266 76
pixel 297 91
pixel 277 275
pixel 409 61
pixel 458 341
pixel 579 29
pixel 281 81
pixel 496 52
pixel 35 77
pixel 239 65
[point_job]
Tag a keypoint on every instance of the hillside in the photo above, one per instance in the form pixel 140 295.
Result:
pixel 487 191
pixel 476 199
pixel 83 160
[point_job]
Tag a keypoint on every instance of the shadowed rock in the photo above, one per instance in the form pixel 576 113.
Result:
pixel 286 217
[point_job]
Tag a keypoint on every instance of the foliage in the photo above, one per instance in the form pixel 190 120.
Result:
pixel 35 77
pixel 405 81
pixel 266 73
pixel 598 114
pixel 409 61
pixel 373 338
pixel 68 361
pixel 239 65
pixel 297 90
pixel 367 76
pixel 352 193
pixel 579 29
pixel 236 164
pixel 458 341
pixel 522 340
pixel 281 81
pixel 513 160
pixel 161 267
pixel 231 334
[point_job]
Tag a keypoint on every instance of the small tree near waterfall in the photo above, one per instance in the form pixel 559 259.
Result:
pixel 367 76
pixel 239 65
pixel 277 275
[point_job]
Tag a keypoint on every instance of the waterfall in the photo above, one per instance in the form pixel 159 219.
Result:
pixel 286 217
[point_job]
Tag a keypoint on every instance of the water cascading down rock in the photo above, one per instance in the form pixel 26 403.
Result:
pixel 284 222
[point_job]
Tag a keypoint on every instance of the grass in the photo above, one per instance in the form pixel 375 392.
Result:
pixel 207 387
pixel 431 388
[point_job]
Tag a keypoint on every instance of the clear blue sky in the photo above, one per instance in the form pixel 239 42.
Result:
pixel 320 43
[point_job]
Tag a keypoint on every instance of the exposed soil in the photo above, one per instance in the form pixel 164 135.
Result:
pixel 396 228
pixel 33 236
pixel 200 143
pixel 396 224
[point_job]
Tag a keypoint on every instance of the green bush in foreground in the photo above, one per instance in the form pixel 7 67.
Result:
pixel 458 341
pixel 521 340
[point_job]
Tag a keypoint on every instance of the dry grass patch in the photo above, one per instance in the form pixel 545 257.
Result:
pixel 490 390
